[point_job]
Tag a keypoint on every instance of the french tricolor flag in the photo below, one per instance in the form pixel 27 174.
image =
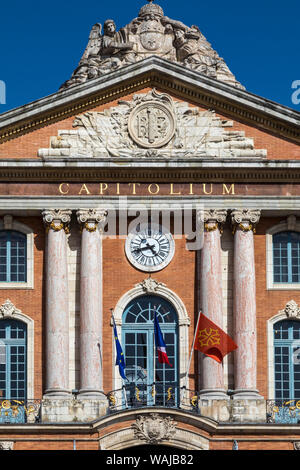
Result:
pixel 160 344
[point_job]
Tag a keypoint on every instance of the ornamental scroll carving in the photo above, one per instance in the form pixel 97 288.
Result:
pixel 245 219
pixel 151 125
pixel 90 219
pixel 57 219
pixel 154 428
pixel 151 33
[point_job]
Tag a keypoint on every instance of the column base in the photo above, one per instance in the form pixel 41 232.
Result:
pixel 213 394
pixel 73 409
pixel 57 393
pixel 246 394
pixel 90 394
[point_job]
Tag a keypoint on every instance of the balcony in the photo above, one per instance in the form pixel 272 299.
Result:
pixel 159 395
pixel 140 396
pixel 283 411
pixel 14 411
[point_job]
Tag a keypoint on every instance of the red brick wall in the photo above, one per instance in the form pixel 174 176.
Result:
pixel 26 146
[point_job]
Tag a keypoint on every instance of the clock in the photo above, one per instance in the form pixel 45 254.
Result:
pixel 150 247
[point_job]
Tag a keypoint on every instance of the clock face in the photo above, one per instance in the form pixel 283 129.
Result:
pixel 150 248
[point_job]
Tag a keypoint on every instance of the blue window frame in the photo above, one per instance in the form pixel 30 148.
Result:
pixel 13 256
pixel 287 360
pixel 156 383
pixel 286 257
pixel 13 360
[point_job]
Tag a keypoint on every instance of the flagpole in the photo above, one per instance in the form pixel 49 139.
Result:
pixel 154 363
pixel 190 359
pixel 123 381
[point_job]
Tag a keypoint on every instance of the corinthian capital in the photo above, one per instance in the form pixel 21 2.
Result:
pixel 89 219
pixel 57 219
pixel 245 219
pixel 212 218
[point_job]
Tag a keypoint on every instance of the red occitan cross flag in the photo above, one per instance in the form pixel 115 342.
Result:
pixel 212 341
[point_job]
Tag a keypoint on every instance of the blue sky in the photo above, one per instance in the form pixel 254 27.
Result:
pixel 42 42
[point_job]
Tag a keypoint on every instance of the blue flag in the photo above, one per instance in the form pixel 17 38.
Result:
pixel 120 361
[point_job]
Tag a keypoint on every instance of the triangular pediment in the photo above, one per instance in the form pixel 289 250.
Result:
pixel 153 72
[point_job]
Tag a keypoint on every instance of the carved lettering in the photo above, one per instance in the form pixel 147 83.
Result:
pixel 64 188
pixel 229 190
pixel 150 188
pixel 84 188
pixel 172 190
pixel 204 189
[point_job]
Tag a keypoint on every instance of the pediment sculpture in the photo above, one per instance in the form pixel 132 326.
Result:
pixel 151 33
pixel 151 125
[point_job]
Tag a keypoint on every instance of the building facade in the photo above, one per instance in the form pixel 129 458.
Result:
pixel 152 181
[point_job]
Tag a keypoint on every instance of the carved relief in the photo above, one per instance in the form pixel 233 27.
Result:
pixel 150 285
pixel 150 33
pixel 154 428
pixel 291 310
pixel 151 125
pixel 6 445
pixel 7 309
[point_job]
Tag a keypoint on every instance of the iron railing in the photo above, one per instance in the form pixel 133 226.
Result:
pixel 157 394
pixel 283 411
pixel 14 411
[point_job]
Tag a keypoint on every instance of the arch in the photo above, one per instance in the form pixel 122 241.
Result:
pixel 180 437
pixel 9 223
pixel 9 312
pixel 150 286
pixel 289 225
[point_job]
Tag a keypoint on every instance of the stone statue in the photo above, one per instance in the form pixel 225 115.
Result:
pixel 151 33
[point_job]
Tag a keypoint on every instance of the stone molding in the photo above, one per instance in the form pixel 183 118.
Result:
pixel 154 428
pixel 57 219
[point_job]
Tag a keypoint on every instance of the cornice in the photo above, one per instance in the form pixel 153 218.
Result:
pixel 166 76
pixel 199 422
pixel 150 170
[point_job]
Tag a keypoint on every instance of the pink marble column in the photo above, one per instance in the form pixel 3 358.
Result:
pixel 91 221
pixel 212 377
pixel 57 303
pixel 244 303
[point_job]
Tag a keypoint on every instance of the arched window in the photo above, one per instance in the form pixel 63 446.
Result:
pixel 153 383
pixel 13 360
pixel 286 257
pixel 287 359
pixel 13 256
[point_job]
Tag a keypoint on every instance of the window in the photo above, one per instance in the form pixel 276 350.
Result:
pixel 286 257
pixel 287 359
pixel 13 256
pixel 13 360
pixel 155 383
